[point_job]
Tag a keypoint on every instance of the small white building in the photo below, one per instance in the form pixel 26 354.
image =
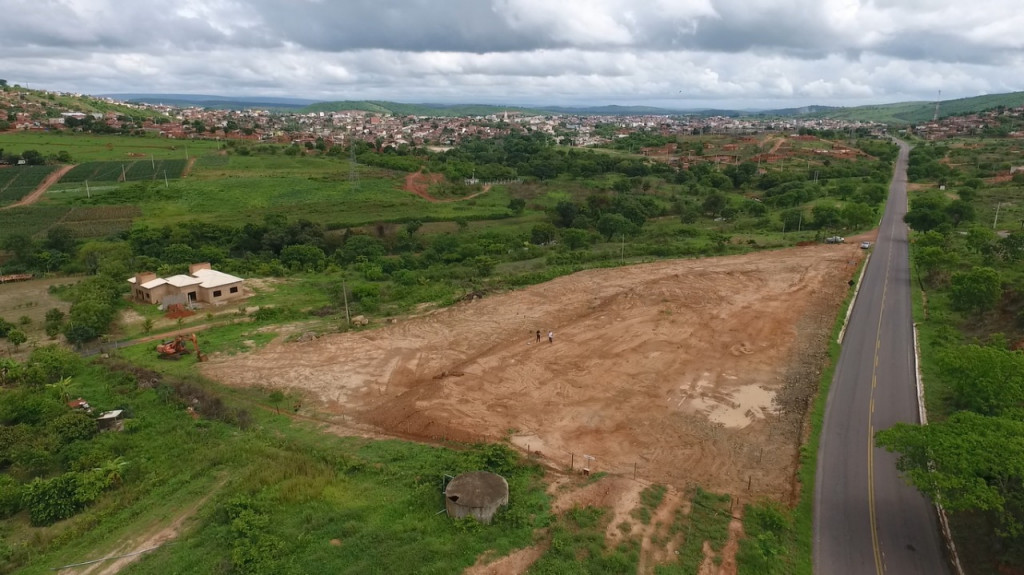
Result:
pixel 202 284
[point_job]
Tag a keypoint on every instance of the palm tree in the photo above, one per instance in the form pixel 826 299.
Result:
pixel 112 470
pixel 63 388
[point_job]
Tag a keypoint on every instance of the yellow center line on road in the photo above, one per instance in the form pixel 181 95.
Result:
pixel 879 565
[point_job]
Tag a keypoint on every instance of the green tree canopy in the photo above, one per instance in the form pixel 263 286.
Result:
pixel 970 462
pixel 978 290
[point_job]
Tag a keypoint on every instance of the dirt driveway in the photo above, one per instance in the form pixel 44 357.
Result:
pixel 694 371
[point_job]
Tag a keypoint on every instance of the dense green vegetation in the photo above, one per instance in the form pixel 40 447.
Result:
pixel 279 493
pixel 968 266
pixel 270 214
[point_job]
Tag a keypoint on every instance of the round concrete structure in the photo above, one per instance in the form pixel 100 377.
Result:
pixel 476 494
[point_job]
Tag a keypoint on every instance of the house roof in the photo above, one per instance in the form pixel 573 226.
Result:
pixel 182 280
pixel 150 284
pixel 205 278
pixel 214 278
pixel 111 414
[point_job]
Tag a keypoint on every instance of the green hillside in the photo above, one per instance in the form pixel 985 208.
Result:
pixel 917 112
pixel 51 104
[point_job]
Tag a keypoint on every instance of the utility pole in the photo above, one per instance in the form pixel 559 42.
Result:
pixel 166 185
pixel 88 194
pixel 996 219
pixel 344 294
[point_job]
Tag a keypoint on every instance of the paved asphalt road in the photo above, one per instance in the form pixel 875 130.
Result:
pixel 867 520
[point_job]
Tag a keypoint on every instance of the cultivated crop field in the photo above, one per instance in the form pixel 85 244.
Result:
pixel 18 181
pixel 83 221
pixel 134 170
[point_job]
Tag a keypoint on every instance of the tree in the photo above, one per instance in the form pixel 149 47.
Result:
pixel 543 233
pixel 411 227
pixel 565 213
pixel 793 219
pixel 16 337
pixel 960 211
pixel 62 388
pixel 60 239
pixel 147 325
pixel 933 261
pixel 714 204
pixel 978 290
pixel 516 206
pixel 575 238
pixel 926 213
pixel 826 217
pixel 857 215
pixel 983 379
pixel 611 225
pixel 969 462
pixel 304 258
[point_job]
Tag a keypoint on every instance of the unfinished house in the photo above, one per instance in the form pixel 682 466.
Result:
pixel 202 285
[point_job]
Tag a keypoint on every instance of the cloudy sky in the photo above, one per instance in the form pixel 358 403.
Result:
pixel 673 53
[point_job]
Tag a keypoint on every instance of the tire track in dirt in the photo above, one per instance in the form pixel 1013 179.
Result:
pixel 41 188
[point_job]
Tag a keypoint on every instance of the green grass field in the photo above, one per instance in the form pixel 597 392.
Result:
pixel 88 148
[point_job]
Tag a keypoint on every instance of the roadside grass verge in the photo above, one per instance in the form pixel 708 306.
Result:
pixel 784 542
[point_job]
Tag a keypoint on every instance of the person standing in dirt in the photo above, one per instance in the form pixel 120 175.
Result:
pixel 551 337
pixel 538 336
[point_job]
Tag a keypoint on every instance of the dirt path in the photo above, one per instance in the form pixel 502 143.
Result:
pixel 135 547
pixel 419 183
pixel 694 371
pixel 778 144
pixel 188 167
pixel 41 188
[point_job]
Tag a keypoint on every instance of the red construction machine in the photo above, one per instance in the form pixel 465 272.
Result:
pixel 176 348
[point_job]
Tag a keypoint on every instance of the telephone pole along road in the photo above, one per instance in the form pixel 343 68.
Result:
pixel 866 518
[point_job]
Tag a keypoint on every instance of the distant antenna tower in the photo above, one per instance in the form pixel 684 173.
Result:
pixel 935 117
pixel 353 175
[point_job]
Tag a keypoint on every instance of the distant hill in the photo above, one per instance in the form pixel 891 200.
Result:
pixel 613 110
pixel 217 102
pixel 913 112
pixel 802 111
pixel 398 109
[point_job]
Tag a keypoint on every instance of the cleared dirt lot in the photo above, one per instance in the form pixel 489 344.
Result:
pixel 694 371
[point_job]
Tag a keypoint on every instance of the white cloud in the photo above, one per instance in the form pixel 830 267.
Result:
pixel 664 52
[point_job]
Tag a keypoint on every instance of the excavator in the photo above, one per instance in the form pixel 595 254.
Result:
pixel 175 348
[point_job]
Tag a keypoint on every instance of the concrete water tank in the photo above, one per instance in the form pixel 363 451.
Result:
pixel 477 494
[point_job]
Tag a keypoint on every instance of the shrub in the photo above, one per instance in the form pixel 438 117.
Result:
pixel 10 496
pixel 50 500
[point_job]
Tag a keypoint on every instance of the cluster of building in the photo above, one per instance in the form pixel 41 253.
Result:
pixel 380 129
pixel 970 124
